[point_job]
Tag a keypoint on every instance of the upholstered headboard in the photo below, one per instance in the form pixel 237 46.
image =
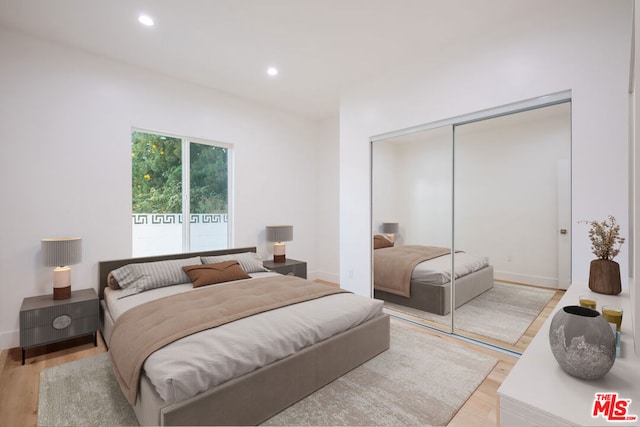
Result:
pixel 104 267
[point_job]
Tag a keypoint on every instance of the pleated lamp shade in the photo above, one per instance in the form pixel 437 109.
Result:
pixel 390 227
pixel 60 253
pixel 279 234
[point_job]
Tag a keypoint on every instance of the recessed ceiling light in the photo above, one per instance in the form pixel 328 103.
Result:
pixel 272 71
pixel 145 20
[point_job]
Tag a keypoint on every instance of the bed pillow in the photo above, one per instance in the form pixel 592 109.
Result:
pixel 249 261
pixel 209 274
pixel 140 277
pixel 112 282
pixel 380 241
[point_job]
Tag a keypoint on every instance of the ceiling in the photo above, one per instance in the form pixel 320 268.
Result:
pixel 319 46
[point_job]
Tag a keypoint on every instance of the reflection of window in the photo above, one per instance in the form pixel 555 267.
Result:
pixel 173 179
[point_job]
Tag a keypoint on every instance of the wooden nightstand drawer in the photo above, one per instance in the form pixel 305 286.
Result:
pixel 49 333
pixel 290 267
pixel 44 316
pixel 44 320
pixel 299 270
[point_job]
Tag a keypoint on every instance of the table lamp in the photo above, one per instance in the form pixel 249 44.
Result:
pixel 390 229
pixel 60 253
pixel 279 234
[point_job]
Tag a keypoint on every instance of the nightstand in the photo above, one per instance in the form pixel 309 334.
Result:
pixel 44 320
pixel 290 267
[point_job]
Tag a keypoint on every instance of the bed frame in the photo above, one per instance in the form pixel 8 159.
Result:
pixel 437 298
pixel 256 396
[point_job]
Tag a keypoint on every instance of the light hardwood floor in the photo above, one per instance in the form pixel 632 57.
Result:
pixel 19 384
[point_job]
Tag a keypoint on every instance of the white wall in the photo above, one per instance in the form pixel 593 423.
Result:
pixel 65 123
pixel 427 176
pixel 386 173
pixel 328 224
pixel 578 45
pixel 412 183
pixel 634 142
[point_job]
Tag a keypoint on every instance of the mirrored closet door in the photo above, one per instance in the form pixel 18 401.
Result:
pixel 498 182
pixel 512 184
pixel 412 178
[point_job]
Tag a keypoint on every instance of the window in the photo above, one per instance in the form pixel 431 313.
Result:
pixel 175 178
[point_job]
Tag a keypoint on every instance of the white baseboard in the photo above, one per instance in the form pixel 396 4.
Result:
pixel 547 282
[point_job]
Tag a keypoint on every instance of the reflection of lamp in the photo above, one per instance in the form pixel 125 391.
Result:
pixel 390 228
pixel 279 234
pixel 61 253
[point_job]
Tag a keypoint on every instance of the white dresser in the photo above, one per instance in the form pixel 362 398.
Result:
pixel 537 392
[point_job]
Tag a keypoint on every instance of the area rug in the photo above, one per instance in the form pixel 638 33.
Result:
pixel 421 380
pixel 83 393
pixel 503 313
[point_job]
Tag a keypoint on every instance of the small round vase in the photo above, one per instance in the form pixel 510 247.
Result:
pixel 582 342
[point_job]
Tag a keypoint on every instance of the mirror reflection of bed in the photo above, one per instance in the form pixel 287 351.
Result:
pixel 419 276
pixel 501 186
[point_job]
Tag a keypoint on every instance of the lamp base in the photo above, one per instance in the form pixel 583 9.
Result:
pixel 62 293
pixel 279 258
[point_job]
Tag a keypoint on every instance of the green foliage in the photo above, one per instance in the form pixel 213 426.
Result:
pixel 208 179
pixel 157 175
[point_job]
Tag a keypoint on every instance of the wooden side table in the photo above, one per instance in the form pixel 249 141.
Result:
pixel 291 267
pixel 44 320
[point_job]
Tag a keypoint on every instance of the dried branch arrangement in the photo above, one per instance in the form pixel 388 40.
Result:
pixel 605 238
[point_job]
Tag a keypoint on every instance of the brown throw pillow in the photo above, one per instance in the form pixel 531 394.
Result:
pixel 208 274
pixel 112 282
pixel 379 241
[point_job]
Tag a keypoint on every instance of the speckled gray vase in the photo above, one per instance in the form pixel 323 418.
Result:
pixel 582 342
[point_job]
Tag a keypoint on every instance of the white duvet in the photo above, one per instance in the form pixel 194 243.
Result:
pixel 201 361
pixel 438 270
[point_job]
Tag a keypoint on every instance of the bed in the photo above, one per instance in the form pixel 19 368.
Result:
pixel 323 339
pixel 420 276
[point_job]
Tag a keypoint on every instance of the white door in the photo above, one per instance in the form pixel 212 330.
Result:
pixel 564 224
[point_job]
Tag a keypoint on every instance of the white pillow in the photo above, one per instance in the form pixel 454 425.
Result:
pixel 249 261
pixel 140 277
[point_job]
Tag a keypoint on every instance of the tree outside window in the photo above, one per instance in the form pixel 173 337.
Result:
pixel 159 187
